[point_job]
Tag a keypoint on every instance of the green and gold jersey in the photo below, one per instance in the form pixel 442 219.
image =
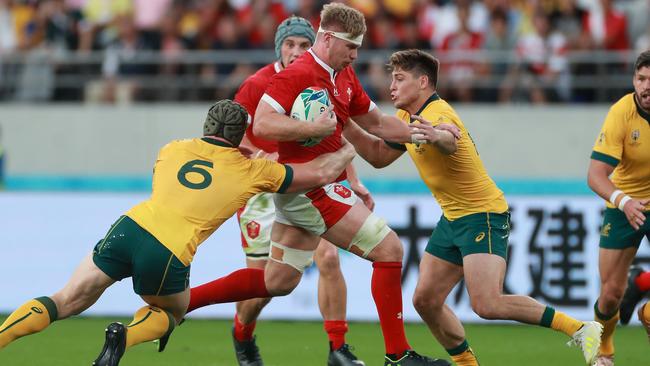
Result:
pixel 624 143
pixel 197 185
pixel 459 182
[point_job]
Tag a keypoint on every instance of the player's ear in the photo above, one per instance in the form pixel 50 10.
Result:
pixel 423 81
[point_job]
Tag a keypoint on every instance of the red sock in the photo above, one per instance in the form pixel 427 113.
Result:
pixel 643 281
pixel 386 289
pixel 243 284
pixel 336 330
pixel 243 332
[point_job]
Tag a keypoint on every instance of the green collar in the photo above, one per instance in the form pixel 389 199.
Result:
pixel 432 98
pixel 640 110
pixel 217 142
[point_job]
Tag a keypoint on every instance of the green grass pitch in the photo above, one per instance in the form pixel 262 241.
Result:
pixel 203 342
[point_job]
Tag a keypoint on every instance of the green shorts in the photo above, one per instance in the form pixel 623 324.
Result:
pixel 484 232
pixel 617 233
pixel 130 251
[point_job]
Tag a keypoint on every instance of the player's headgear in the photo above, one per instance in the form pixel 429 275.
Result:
pixel 226 119
pixel 293 26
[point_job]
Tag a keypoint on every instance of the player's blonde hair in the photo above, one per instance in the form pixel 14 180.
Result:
pixel 349 20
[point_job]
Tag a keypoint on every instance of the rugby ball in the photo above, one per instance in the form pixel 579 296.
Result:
pixel 310 104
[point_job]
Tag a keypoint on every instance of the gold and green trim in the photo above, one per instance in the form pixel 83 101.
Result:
pixel 489 234
pixel 217 142
pixel 50 306
pixel 162 280
pixel 458 349
pixel 288 178
pixel 607 159
pixel 434 97
pixel 395 145
pixel 115 225
pixel 547 317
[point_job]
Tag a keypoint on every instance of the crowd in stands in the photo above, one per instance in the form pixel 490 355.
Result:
pixel 491 50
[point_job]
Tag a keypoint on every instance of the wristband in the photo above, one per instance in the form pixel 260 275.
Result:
pixel 624 200
pixel 614 196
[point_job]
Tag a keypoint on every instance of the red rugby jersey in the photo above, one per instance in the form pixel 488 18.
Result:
pixel 345 92
pixel 249 95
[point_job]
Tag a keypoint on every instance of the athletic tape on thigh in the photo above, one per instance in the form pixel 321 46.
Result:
pixel 371 233
pixel 296 258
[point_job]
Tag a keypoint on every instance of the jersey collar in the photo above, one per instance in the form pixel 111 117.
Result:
pixel 217 142
pixel 432 98
pixel 323 65
pixel 277 67
pixel 642 113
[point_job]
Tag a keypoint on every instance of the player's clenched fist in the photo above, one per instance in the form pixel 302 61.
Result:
pixel 325 124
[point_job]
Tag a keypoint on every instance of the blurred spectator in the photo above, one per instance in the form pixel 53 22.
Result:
pixel 643 42
pixel 441 20
pixel 607 27
pixel 459 59
pixel 8 44
pixel 95 31
pixel 382 33
pixel 543 67
pixel 147 17
pixel 378 81
pixel 500 42
pixel 259 19
pixel 120 69
pixel 310 10
pixel 172 48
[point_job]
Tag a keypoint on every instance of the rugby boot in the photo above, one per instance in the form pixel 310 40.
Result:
pixel 632 295
pixel 412 358
pixel 343 357
pixel 114 345
pixel 603 360
pixel 247 352
pixel 587 338
pixel 646 324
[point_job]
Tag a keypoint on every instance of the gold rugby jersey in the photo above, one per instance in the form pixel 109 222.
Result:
pixel 197 185
pixel 459 182
pixel 624 143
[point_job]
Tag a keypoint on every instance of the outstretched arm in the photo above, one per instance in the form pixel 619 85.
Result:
pixel 273 125
pixel 322 170
pixel 389 128
pixel 371 148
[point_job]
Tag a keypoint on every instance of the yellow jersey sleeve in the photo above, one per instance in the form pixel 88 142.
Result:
pixel 271 176
pixel 608 147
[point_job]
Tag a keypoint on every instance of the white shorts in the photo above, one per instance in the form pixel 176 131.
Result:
pixel 315 211
pixel 255 222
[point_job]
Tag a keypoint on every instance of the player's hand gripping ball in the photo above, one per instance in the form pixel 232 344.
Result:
pixel 310 104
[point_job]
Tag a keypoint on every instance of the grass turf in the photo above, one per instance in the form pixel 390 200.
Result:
pixel 202 342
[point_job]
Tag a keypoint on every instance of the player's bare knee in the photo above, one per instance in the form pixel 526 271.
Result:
pixel 426 304
pixel 281 285
pixel 328 262
pixel 389 250
pixel 486 309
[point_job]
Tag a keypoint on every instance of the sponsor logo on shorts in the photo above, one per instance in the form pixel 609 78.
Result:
pixel 605 230
pixel 342 191
pixel 253 229
pixel 37 310
pixel 479 237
